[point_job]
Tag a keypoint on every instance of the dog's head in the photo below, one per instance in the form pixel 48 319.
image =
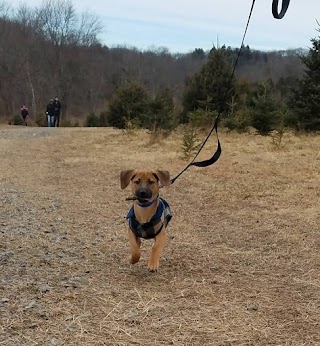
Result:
pixel 144 184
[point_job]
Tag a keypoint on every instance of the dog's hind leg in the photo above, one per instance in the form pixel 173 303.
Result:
pixel 135 247
pixel 158 246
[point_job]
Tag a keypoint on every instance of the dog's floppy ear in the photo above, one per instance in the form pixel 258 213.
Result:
pixel 125 177
pixel 163 176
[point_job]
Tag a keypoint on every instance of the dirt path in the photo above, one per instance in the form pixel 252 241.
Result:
pixel 242 263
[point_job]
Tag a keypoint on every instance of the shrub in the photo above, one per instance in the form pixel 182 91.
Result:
pixel 190 144
pixel 41 120
pixel 127 102
pixel 69 123
pixel 160 118
pixel 103 119
pixel 280 129
pixel 201 118
pixel 16 120
pixel 92 120
pixel 264 109
pixel 239 121
pixel 131 125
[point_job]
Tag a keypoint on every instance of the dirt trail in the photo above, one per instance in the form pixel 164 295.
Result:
pixel 242 263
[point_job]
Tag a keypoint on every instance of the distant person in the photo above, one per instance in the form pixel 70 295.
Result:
pixel 57 110
pixel 24 113
pixel 50 114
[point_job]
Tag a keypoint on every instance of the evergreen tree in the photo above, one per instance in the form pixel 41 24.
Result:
pixel 211 82
pixel 128 103
pixel 263 109
pixel 161 112
pixel 305 99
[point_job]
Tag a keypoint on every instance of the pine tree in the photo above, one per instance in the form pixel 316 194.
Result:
pixel 128 103
pixel 305 99
pixel 211 82
pixel 160 115
pixel 190 144
pixel 263 109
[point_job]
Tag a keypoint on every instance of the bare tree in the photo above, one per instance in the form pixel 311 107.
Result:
pixel 67 32
pixel 29 27
pixel 89 29
pixel 5 10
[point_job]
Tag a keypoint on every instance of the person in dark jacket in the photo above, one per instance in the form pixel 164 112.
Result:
pixel 24 113
pixel 50 114
pixel 57 110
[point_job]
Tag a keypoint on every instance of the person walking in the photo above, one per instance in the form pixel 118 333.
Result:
pixel 24 113
pixel 50 114
pixel 57 110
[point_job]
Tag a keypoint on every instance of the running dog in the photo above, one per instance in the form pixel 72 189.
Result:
pixel 149 214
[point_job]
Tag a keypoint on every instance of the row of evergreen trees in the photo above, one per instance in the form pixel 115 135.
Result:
pixel 132 107
pixel 212 90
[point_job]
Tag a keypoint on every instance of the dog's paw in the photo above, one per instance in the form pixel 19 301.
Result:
pixel 153 267
pixel 134 259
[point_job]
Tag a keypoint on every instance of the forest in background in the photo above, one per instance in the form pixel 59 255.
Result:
pixel 52 50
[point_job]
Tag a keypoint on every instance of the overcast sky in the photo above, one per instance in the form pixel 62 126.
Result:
pixel 183 25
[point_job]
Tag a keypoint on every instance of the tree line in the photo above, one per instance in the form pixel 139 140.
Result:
pixel 53 50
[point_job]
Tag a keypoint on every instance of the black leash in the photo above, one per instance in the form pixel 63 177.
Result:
pixel 284 8
pixel 218 151
pixel 216 155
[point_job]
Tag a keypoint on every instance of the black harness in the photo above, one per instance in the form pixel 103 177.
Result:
pixel 152 228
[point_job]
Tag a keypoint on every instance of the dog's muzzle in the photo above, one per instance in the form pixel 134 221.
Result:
pixel 143 194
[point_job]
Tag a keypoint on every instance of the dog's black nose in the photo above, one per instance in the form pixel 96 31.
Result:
pixel 143 193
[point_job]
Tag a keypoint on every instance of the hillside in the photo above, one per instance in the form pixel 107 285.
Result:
pixel 51 51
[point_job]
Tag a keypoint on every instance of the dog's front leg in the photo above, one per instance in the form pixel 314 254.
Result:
pixel 135 243
pixel 160 242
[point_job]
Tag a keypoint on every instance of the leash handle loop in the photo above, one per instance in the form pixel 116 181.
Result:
pixel 284 8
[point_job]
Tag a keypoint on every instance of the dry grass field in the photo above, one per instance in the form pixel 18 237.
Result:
pixel 242 262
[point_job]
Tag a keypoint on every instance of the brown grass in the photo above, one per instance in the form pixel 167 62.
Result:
pixel 242 263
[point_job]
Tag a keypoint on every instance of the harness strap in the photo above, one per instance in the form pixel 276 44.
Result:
pixel 147 230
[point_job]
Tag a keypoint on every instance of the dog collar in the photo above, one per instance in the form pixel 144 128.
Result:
pixel 144 205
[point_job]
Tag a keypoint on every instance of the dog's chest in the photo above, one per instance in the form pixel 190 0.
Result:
pixel 149 225
pixel 143 216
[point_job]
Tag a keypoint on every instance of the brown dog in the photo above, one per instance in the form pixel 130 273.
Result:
pixel 149 215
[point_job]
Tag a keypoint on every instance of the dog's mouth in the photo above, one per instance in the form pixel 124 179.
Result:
pixel 132 198
pixel 140 200
pixel 142 196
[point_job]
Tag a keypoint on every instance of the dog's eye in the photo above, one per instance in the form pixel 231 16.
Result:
pixel 137 182
pixel 150 182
